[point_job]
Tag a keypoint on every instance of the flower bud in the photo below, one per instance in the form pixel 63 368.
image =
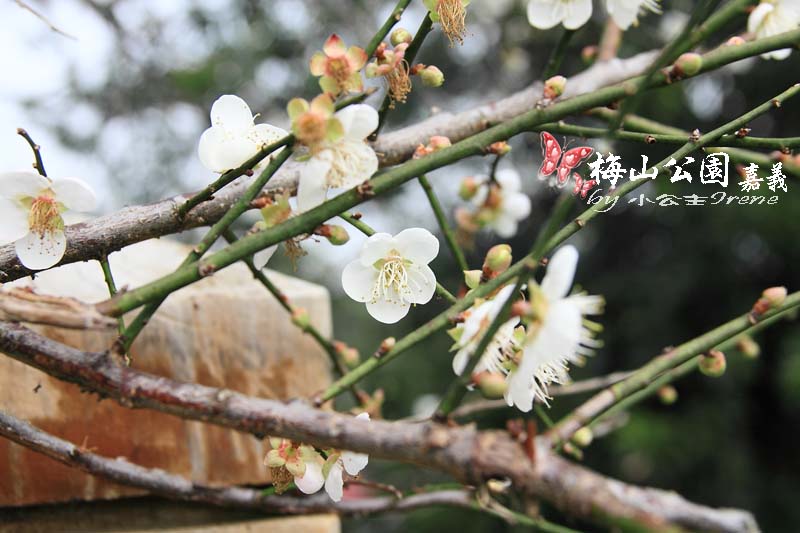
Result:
pixel 372 70
pixel 347 354
pixel 668 394
pixel 735 41
pixel 775 296
pixel 589 54
pixel 687 65
pixel 301 318
pixel 431 76
pixel 498 259
pixel 491 384
pixel 338 235
pixel 469 188
pixel 748 346
pixel 439 142
pixel 386 345
pixel 713 364
pixel 583 437
pixel 499 148
pixel 472 278
pixel 554 87
pixel 400 35
pixel 522 309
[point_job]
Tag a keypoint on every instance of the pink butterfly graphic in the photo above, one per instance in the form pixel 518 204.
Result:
pixel 582 186
pixel 555 163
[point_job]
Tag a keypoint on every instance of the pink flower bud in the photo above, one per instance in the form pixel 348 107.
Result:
pixel 431 76
pixel 554 87
pixel 498 259
pixel 687 65
pixel 713 364
pixel 400 35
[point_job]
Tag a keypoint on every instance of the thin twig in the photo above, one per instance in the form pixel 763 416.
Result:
pixel 27 7
pixel 441 218
pixel 37 151
pixel 108 276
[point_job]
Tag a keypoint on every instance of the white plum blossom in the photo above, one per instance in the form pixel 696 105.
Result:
pixel 391 273
pixel 508 204
pixel 558 337
pixel 546 14
pixel 339 462
pixel 469 334
pixel 233 137
pixel 32 211
pixel 345 162
pixel 773 17
pixel 626 12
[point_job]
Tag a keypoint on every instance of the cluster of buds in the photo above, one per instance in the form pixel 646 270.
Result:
pixel 338 66
pixel 435 143
pixel 451 16
pixel 497 261
pixel 314 123
pixel 770 299
pixel 393 67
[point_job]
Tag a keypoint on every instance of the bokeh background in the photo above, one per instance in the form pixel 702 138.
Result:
pixel 123 100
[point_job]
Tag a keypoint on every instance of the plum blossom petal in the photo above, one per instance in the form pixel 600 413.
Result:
pixel 773 17
pixel 261 258
pixel 357 281
pixel 39 251
pixel 560 272
pixel 232 113
pixel 334 484
pixel 312 187
pixel 13 221
pixel 417 244
pixel 577 13
pixel 546 14
pixel 422 284
pixel 75 194
pixel 358 121
pixel 312 480
pixel 18 185
pixel 388 311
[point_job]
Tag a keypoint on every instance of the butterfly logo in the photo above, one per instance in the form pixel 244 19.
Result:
pixel 582 186
pixel 562 166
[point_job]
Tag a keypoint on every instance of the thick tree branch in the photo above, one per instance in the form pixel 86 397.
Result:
pixel 465 453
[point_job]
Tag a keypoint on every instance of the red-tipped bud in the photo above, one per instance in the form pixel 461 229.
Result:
pixel 554 87
pixel 498 148
pixel 469 188
pixel 301 318
pixel 589 54
pixel 713 364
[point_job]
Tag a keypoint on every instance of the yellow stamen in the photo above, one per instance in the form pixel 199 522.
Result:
pixel 452 17
pixel 44 216
pixel 399 84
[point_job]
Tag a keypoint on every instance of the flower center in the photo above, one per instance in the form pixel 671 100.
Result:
pixel 392 282
pixel 312 128
pixel 339 68
pixel 44 216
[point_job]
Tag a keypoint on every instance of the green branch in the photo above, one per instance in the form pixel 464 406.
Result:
pixel 441 218
pixel 658 366
pixel 768 143
pixel 391 179
pixel 384 30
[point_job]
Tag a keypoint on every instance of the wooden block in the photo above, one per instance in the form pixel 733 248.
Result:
pixel 225 331
pixel 135 515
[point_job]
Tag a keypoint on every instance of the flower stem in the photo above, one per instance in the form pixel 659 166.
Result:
pixel 37 151
pixel 661 365
pixel 424 29
pixel 768 143
pixel 242 205
pixel 283 300
pixel 441 218
pixel 557 57
pixel 383 31
pixel 112 287
pixel 364 228
pixel 695 31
